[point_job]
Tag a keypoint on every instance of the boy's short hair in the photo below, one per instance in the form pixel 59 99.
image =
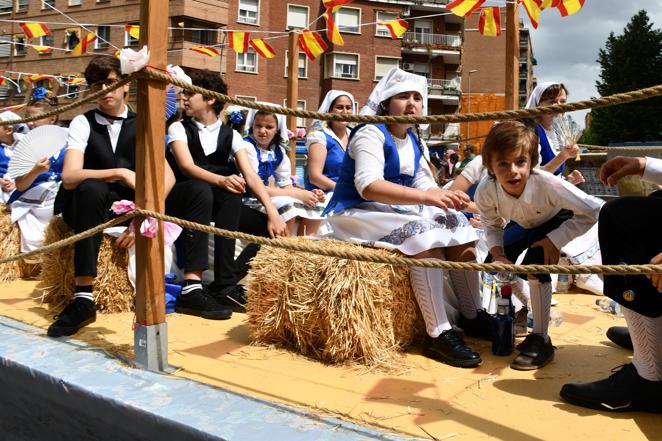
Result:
pixel 507 136
pixel 100 67
pixel 212 81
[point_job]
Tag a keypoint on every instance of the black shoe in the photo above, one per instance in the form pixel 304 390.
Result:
pixel 201 304
pixel 451 349
pixel 623 390
pixel 534 353
pixel 479 327
pixel 77 314
pixel 621 336
pixel 233 296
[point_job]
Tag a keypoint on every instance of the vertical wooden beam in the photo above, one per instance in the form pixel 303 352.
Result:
pixel 512 56
pixel 293 92
pixel 150 164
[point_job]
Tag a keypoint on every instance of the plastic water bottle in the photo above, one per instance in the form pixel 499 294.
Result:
pixel 555 318
pixel 605 304
pixel 507 293
pixel 563 282
pixel 503 335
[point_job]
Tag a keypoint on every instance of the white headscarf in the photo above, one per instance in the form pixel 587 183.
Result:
pixel 282 123
pixel 534 99
pixel 8 115
pixel 330 97
pixel 394 82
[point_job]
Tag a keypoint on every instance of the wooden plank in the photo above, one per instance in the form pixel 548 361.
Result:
pixel 512 57
pixel 150 164
pixel 293 92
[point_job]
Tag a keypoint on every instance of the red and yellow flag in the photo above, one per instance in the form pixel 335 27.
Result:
pixel 396 27
pixel 489 23
pixel 464 7
pixel 335 4
pixel 548 4
pixel 38 77
pixel 312 44
pixel 2 80
pixel 206 50
pixel 34 30
pixel 262 48
pixel 532 8
pixel 238 41
pixel 73 81
pixel 332 33
pixel 81 47
pixel 569 7
pixel 15 107
pixel 133 30
pixel 43 49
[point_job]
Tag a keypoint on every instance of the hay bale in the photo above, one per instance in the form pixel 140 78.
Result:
pixel 10 245
pixel 335 310
pixel 112 290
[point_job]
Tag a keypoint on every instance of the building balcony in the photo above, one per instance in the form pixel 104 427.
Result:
pixel 446 90
pixel 448 46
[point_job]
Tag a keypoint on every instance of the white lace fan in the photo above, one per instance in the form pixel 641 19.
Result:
pixel 41 142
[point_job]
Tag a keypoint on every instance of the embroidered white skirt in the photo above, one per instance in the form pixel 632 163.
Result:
pixel 289 207
pixel 410 229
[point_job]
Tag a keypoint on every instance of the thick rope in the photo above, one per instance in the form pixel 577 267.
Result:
pixel 632 149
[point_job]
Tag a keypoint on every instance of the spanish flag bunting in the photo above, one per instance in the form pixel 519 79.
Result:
pixel 396 27
pixel 549 4
pixel 332 33
pixel 312 44
pixel 335 4
pixel 464 7
pixel 569 7
pixel 532 8
pixel 116 54
pixel 15 107
pixel 489 23
pixel 81 47
pixel 43 49
pixel 2 81
pixel 206 50
pixel 238 41
pixel 34 30
pixel 133 30
pixel 262 48
pixel 38 77
pixel 73 81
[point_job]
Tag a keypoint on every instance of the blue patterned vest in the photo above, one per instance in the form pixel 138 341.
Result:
pixel 546 152
pixel 53 174
pixel 266 169
pixel 333 162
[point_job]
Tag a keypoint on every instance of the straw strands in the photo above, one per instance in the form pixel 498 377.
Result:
pixel 10 245
pixel 335 310
pixel 112 290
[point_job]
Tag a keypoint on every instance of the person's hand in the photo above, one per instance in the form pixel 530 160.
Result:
pixel 575 177
pixel 276 226
pixel 552 253
pixel 501 258
pixel 656 279
pixel 614 169
pixel 127 177
pixel 233 183
pixel 570 151
pixel 320 195
pixel 43 165
pixel 126 239
pixel 446 199
pixel 308 198
pixel 7 185
pixel 475 222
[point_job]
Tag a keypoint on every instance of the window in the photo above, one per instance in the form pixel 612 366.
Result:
pixel 46 40
pixel 129 40
pixel 247 98
pixel 249 11
pixel 71 38
pixel 349 20
pixel 303 64
pixel 297 17
pixel 103 37
pixel 382 31
pixel 19 88
pixel 75 2
pixel 19 45
pixel 5 6
pixel 301 105
pixel 383 65
pixel 203 37
pixel 45 3
pixel 4 91
pixel 247 62
pixel 22 5
pixel 71 90
pixel 343 66
pixel 5 45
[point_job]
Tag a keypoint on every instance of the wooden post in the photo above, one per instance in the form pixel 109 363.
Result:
pixel 150 335
pixel 512 57
pixel 293 92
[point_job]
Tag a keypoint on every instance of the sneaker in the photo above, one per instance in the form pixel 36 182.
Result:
pixel 521 322
pixel 623 390
pixel 479 327
pixel 450 348
pixel 79 313
pixel 621 336
pixel 233 296
pixel 201 304
pixel 534 353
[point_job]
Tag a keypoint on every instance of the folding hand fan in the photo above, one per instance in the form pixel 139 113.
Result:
pixel 41 142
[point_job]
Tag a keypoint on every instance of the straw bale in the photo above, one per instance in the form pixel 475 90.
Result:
pixel 112 290
pixel 335 310
pixel 10 245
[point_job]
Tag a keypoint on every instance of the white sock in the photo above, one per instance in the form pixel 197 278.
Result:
pixel 84 295
pixel 521 290
pixel 191 287
pixel 541 302
pixel 428 287
pixel 466 285
pixel 646 333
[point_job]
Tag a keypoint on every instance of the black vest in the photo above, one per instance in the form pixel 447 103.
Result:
pixel 217 163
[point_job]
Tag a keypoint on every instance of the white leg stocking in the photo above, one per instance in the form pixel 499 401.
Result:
pixel 466 285
pixel 428 287
pixel 521 290
pixel 541 302
pixel 646 333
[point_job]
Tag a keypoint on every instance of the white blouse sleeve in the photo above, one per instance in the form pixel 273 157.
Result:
pixel 176 132
pixel 367 150
pixel 473 172
pixel 283 172
pixel 486 201
pixel 653 171
pixel 238 142
pixel 79 134
pixel 316 137
pixel 424 180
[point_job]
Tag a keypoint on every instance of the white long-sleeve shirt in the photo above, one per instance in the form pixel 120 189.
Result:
pixel 543 197
pixel 653 171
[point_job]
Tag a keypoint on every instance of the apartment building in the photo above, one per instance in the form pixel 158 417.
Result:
pixel 193 23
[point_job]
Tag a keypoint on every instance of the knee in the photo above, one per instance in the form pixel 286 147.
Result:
pixel 198 193
pixel 90 191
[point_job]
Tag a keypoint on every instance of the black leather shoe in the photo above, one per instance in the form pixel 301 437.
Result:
pixel 79 313
pixel 451 349
pixel 624 390
pixel 233 296
pixel 534 353
pixel 201 304
pixel 479 327
pixel 621 336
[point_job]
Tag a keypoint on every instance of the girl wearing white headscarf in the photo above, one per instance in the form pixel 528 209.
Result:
pixel 386 197
pixel 8 139
pixel 267 132
pixel 326 144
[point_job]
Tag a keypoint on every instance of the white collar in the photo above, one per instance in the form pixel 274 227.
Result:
pixel 210 127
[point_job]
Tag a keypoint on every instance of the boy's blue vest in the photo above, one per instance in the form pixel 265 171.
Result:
pixel 346 196
pixel 53 174
pixel 546 152
pixel 266 169
pixel 333 162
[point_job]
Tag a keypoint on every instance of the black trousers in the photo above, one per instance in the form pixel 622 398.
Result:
pixel 630 232
pixel 230 213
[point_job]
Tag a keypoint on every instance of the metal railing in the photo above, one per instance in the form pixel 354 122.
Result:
pixel 425 39
pixel 451 87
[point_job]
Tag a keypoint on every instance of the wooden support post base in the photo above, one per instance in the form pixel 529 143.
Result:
pixel 150 345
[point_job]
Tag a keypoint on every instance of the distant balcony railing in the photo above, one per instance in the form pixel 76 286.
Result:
pixel 432 40
pixel 443 86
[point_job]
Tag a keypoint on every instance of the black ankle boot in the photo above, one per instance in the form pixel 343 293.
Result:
pixel 451 349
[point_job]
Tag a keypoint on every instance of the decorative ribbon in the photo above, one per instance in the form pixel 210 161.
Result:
pixel 150 226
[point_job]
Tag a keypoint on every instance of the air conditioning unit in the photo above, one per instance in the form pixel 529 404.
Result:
pixel 409 67
pixel 406 11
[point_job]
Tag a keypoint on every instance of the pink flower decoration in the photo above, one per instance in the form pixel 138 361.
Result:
pixel 150 226
pixel 301 132
pixel 122 207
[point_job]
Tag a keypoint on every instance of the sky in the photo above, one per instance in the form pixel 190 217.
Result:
pixel 566 48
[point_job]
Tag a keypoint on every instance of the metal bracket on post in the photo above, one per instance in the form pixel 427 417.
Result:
pixel 150 344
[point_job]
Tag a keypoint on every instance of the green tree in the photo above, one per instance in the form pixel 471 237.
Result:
pixel 630 61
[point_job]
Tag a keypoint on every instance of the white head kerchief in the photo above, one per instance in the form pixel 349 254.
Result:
pixel 330 97
pixel 282 123
pixel 394 82
pixel 8 115
pixel 534 99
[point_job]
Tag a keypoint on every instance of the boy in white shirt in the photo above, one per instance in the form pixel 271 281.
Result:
pixel 551 210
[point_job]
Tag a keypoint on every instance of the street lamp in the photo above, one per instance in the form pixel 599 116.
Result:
pixel 472 71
